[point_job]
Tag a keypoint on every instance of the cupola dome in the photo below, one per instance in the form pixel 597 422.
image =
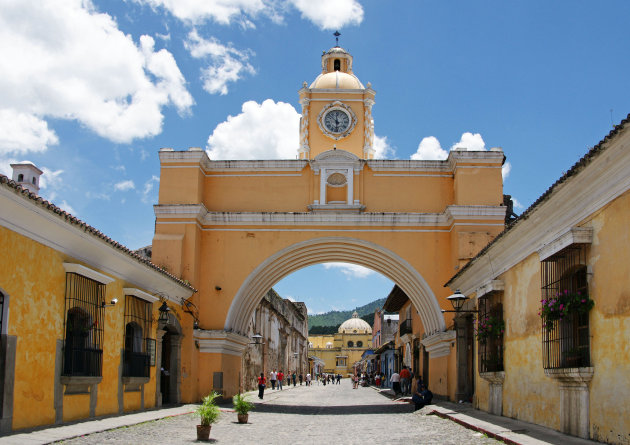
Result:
pixel 337 71
pixel 355 325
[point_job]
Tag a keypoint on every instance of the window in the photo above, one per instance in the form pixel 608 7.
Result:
pixel 83 352
pixel 34 183
pixel 137 335
pixel 337 65
pixel 359 344
pixel 20 177
pixel 566 343
pixel 350 344
pixel 491 346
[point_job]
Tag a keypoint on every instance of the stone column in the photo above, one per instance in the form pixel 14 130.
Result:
pixel 574 399
pixel 495 396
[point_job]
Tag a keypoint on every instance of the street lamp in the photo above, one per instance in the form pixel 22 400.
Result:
pixel 164 311
pixel 457 300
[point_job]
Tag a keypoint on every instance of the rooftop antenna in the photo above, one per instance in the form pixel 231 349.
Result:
pixel 337 34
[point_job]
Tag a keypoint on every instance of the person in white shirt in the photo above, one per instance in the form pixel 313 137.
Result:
pixel 272 377
pixel 395 379
pixel 308 379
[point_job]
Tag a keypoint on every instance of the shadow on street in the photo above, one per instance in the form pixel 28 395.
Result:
pixel 307 410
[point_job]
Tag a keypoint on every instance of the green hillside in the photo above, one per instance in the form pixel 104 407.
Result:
pixel 329 322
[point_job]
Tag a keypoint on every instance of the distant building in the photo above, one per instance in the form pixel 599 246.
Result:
pixel 384 336
pixel 283 325
pixel 342 350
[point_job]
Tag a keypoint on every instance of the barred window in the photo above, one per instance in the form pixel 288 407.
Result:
pixel 490 345
pixel 137 335
pixel 359 344
pixel 566 340
pixel 351 344
pixel 83 351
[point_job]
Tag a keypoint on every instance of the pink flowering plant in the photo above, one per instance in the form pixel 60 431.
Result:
pixel 563 304
pixel 488 327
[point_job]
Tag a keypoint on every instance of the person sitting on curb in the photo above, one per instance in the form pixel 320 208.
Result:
pixel 422 398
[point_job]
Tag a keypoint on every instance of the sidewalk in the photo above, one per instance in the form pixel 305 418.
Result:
pixel 68 431
pixel 508 430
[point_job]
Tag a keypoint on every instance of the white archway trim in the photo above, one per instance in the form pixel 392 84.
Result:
pixel 334 249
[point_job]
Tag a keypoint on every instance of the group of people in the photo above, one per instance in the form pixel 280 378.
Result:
pixel 331 379
pixel 401 382
pixel 277 379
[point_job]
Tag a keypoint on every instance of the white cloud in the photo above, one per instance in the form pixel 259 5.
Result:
pixel 429 149
pixel 261 131
pixel 227 63
pixel 220 11
pixel 65 60
pixel 290 298
pixel 326 14
pixel 471 142
pixel 330 14
pixel 148 187
pixel 123 186
pixel 24 132
pixel 51 179
pixel 350 270
pixel 517 204
pixel 382 148
pixel 505 170
pixel 103 196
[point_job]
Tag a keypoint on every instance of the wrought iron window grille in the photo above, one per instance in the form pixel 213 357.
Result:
pixel 490 347
pixel 136 355
pixel 565 341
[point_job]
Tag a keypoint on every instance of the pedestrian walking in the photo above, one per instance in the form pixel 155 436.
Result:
pixel 293 376
pixel 338 379
pixel 308 379
pixel 280 377
pixel 405 380
pixel 273 376
pixel 261 385
pixel 395 380
pixel 301 377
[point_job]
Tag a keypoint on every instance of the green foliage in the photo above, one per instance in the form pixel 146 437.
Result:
pixel 323 330
pixel 241 404
pixel 563 304
pixel 331 320
pixel 489 327
pixel 208 411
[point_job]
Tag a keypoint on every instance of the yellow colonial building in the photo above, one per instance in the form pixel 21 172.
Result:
pixel 234 228
pixel 567 369
pixel 342 350
pixel 79 317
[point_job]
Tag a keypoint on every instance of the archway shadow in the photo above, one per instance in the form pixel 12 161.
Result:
pixel 309 410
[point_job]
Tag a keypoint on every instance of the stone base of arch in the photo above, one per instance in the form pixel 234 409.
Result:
pixel 439 347
pixel 219 361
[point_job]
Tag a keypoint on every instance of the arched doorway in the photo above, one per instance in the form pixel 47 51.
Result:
pixel 168 351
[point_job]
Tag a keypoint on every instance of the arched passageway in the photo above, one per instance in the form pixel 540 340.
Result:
pixel 334 249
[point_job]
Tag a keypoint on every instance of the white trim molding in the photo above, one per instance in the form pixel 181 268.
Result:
pixel 574 235
pixel 87 272
pixel 140 294
pixel 439 344
pixel 490 286
pixel 220 342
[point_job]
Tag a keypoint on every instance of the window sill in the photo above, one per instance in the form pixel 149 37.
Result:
pixel 575 376
pixel 134 384
pixel 79 384
pixel 496 378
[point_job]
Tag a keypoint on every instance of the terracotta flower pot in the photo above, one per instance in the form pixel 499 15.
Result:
pixel 242 418
pixel 203 432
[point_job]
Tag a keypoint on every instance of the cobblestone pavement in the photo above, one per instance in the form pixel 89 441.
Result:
pixel 332 414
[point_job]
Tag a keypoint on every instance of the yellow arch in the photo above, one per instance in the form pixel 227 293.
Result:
pixel 334 249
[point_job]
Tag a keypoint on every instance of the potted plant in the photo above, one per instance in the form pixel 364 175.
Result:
pixel 209 412
pixel 242 406
pixel 489 327
pixel 562 305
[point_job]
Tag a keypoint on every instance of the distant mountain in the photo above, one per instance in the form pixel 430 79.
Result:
pixel 329 322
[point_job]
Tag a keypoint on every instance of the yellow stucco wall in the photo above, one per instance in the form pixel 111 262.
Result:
pixel 34 278
pixel 527 393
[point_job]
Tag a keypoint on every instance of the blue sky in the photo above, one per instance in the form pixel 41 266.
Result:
pixel 90 91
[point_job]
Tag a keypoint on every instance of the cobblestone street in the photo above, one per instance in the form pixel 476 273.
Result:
pixel 305 415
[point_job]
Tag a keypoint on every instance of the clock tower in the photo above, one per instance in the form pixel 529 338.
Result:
pixel 336 110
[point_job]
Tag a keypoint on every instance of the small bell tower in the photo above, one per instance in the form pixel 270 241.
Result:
pixel 336 109
pixel 27 176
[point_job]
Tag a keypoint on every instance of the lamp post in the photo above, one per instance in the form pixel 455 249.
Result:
pixel 258 340
pixel 164 311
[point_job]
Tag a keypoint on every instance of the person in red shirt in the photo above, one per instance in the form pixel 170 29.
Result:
pixel 405 380
pixel 280 379
pixel 261 385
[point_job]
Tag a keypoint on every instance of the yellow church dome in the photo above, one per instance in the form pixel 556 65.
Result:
pixel 355 325
pixel 339 80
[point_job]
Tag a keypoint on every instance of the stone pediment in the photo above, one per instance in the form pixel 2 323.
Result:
pixel 336 159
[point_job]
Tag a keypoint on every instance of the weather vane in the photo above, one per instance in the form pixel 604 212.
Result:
pixel 337 34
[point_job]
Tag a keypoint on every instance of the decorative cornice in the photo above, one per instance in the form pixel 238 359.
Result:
pixel 87 272
pixel 574 235
pixel 572 376
pixel 140 294
pixel 439 344
pixel 451 215
pixel 220 342
pixel 490 286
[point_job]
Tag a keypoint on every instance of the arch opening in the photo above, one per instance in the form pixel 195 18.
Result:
pixel 334 249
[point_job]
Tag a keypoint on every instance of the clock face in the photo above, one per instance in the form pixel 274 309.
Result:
pixel 336 121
